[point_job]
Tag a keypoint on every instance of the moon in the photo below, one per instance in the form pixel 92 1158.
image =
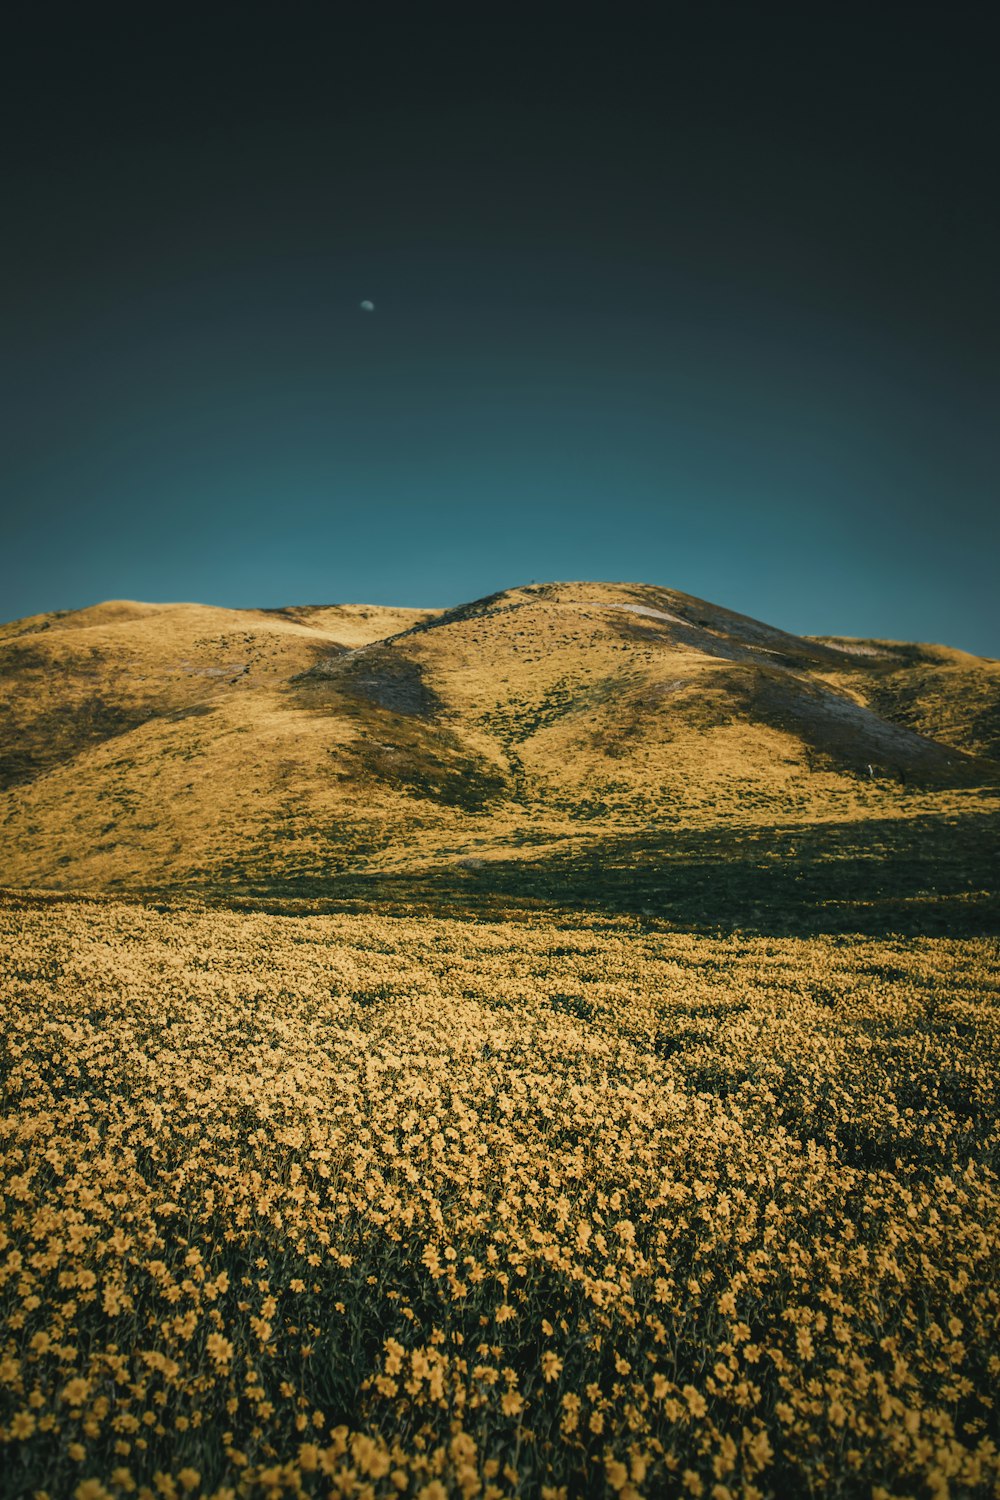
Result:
pixel 367 306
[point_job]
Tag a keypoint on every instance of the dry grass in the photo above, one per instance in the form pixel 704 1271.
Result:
pixel 171 746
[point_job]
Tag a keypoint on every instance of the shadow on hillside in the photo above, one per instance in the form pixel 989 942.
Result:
pixel 926 875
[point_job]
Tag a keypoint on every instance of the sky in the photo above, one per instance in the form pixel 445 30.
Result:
pixel 701 295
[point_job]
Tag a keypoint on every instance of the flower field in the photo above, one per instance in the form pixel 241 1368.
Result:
pixel 363 1206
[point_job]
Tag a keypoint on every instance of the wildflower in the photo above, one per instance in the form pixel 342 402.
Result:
pixel 462 1448
pixel 369 1458
pixel 696 1403
pixel 22 1424
pixel 759 1450
pixel 309 1455
pixel 288 1135
pixel 616 1472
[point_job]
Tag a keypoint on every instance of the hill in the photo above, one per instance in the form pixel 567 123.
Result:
pixel 542 1047
pixel 617 744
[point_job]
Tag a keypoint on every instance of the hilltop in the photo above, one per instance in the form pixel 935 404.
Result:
pixel 553 742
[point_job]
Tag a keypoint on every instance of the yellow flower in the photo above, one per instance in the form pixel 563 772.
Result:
pixel 23 1424
pixel 220 1349
pixel 759 1449
pixel 370 1459
pixel 617 1473
pixel 335 1139
pixel 462 1448
pixel 696 1403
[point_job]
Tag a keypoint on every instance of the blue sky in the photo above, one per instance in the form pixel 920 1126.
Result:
pixel 734 337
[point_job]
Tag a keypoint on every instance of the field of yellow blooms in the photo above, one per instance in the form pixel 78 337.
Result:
pixel 358 1206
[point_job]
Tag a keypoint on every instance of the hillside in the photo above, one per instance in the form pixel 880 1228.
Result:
pixel 546 1047
pixel 558 741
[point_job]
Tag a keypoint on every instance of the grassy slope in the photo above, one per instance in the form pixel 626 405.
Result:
pixel 612 745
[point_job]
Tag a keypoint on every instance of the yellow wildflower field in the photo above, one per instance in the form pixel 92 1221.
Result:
pixel 364 1206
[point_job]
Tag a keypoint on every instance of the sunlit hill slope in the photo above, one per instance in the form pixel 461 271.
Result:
pixel 614 743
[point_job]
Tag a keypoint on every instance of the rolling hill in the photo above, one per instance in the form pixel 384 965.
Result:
pixel 621 744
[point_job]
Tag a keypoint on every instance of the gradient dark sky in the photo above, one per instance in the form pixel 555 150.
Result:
pixel 702 295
